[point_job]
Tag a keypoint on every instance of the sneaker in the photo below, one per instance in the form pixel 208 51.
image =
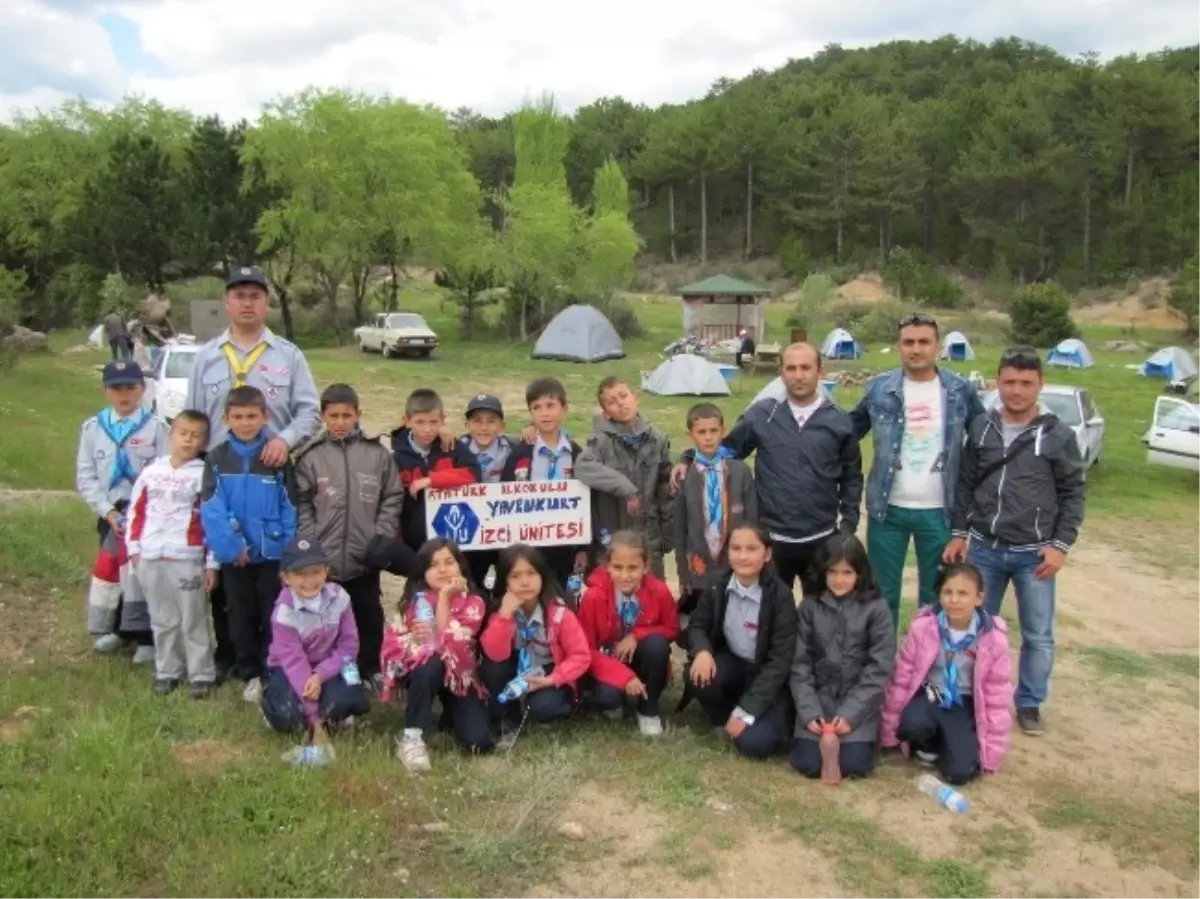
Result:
pixel 253 690
pixel 1030 721
pixel 412 752
pixel 650 725
pixel 200 689
pixel 165 685
pixel 143 655
pixel 109 643
pixel 508 736
pixel 928 759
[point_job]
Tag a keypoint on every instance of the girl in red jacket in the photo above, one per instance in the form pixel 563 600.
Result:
pixel 532 636
pixel 629 619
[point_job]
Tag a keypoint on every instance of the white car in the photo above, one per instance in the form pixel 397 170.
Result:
pixel 1075 408
pixel 170 379
pixel 396 334
pixel 1174 437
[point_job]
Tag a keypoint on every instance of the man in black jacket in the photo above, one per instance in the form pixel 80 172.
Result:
pixel 1017 512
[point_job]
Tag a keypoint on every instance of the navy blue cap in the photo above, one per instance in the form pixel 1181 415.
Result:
pixel 485 402
pixel 246 274
pixel 301 553
pixel 122 371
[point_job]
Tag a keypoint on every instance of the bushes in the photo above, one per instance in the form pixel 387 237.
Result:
pixel 1185 296
pixel 915 279
pixel 879 322
pixel 623 317
pixel 811 302
pixel 1041 315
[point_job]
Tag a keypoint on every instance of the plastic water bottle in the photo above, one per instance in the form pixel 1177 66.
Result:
pixel 831 750
pixel 350 672
pixel 518 686
pixel 946 795
pixel 424 614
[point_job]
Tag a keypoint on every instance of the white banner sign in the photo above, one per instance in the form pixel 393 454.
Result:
pixel 493 516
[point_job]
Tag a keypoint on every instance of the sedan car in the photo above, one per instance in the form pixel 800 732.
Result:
pixel 1174 438
pixel 170 379
pixel 395 334
pixel 1075 408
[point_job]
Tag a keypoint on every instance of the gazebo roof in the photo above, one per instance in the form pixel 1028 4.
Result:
pixel 723 286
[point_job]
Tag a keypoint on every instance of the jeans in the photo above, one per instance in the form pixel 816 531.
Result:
pixel 1035 610
pixel 250 594
pixel 469 713
pixel 887 545
pixel 797 561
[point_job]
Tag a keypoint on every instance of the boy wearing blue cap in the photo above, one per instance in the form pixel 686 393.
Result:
pixel 114 446
pixel 486 439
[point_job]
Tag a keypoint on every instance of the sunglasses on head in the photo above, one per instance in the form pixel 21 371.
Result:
pixel 1023 358
pixel 918 318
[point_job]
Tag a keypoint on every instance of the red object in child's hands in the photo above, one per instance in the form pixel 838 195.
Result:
pixel 831 747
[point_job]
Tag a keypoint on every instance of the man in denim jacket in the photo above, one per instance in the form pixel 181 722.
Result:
pixel 919 415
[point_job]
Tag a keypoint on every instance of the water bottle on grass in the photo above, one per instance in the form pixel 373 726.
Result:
pixel 943 793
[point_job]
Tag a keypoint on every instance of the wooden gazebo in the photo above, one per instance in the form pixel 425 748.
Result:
pixel 719 307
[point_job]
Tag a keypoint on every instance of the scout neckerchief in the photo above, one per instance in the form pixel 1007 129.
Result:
pixel 552 456
pixel 119 431
pixel 240 370
pixel 950 653
pixel 714 496
pixel 629 609
pixel 527 635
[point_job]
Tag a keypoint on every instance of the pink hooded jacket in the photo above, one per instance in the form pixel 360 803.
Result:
pixel 992 687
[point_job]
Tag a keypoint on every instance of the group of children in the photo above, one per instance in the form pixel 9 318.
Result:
pixel 298 550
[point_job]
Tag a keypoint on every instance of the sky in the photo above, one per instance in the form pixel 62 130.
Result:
pixel 229 57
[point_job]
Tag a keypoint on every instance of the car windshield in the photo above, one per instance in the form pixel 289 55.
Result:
pixel 179 365
pixel 1177 416
pixel 405 320
pixel 1063 405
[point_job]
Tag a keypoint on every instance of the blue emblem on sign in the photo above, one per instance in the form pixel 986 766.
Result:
pixel 457 522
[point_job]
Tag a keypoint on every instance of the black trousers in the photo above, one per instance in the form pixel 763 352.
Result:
pixel 141 638
pixel 284 709
pixel 469 714
pixel 224 654
pixel 479 562
pixel 855 759
pixel 550 704
pixel 950 733
pixel 365 603
pixel 798 561
pixel 250 594
pixel 767 735
pixel 652 663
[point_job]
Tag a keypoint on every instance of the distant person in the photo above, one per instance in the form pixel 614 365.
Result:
pixel 115 446
pixel 918 415
pixel 807 468
pixel 1017 514
pixel 746 349
pixel 949 695
pixel 116 332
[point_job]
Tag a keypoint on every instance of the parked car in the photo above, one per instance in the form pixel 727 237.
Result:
pixel 1174 437
pixel 396 334
pixel 1076 409
pixel 170 378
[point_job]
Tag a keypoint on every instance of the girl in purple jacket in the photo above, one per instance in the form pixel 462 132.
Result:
pixel 312 676
pixel 948 699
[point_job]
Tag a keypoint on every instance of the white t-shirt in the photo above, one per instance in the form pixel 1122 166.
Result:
pixel 918 481
pixel 803 413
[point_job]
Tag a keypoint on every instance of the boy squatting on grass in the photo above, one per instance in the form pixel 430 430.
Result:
pixel 627 463
pixel 249 516
pixel 165 542
pixel 115 445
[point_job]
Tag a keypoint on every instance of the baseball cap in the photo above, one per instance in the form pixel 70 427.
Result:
pixel 122 371
pixel 246 274
pixel 485 402
pixel 301 553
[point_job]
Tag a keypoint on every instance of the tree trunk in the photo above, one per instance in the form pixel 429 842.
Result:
pixel 882 238
pixel 394 299
pixel 749 208
pixel 927 218
pixel 285 311
pixel 360 293
pixel 703 218
pixel 671 219
pixel 1129 155
pixel 1087 228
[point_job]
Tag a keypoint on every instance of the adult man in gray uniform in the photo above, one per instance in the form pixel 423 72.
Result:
pixel 248 353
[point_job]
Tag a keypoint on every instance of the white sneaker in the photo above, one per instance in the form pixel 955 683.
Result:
pixel 252 692
pixel 412 752
pixel 108 643
pixel 650 725
pixel 926 758
pixel 143 655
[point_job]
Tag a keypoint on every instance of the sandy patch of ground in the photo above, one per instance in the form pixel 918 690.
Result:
pixel 207 756
pixel 1147 307
pixel 13 725
pixel 866 288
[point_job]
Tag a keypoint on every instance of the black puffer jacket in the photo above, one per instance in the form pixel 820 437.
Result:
pixel 845 649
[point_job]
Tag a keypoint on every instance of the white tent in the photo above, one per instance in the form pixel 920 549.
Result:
pixel 776 391
pixel 96 338
pixel 579 334
pixel 1071 353
pixel 840 344
pixel 956 347
pixel 686 375
pixel 1172 363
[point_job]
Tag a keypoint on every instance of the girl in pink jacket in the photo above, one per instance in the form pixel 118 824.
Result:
pixel 948 699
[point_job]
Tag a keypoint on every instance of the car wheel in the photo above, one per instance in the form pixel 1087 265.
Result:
pixel 424 354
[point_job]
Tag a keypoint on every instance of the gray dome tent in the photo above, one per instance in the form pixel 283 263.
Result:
pixel 579 334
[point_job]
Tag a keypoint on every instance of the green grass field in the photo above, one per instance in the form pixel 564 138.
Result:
pixel 108 789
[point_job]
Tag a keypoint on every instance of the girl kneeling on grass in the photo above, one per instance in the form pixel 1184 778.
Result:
pixel 532 639
pixel 429 650
pixel 844 654
pixel 312 676
pixel 742 635
pixel 629 618
pixel 949 695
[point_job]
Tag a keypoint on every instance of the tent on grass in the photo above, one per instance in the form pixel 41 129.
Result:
pixel 96 338
pixel 840 344
pixel 1173 363
pixel 776 391
pixel 956 347
pixel 1071 353
pixel 686 375
pixel 579 334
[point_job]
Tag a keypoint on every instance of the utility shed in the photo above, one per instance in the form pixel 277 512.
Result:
pixel 720 307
